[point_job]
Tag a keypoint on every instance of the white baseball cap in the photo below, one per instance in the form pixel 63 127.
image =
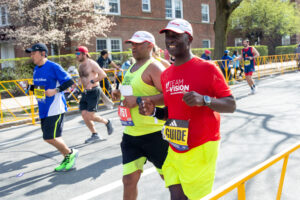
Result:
pixel 179 26
pixel 141 36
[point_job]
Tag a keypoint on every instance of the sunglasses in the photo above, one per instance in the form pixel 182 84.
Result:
pixel 77 53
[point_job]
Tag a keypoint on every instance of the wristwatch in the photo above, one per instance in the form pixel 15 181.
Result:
pixel 207 100
pixel 138 100
pixel 92 81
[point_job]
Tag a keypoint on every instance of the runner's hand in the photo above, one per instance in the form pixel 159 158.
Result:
pixel 193 99
pixel 116 95
pixel 146 107
pixel 129 101
pixel 50 92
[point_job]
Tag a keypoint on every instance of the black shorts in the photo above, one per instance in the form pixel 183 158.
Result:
pixel 151 146
pixel 89 99
pixel 52 126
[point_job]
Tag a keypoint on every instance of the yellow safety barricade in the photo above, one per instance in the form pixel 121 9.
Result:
pixel 239 182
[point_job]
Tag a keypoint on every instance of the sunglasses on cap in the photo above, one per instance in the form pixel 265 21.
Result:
pixel 77 53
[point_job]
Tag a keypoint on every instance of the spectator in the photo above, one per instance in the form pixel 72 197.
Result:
pixel 297 51
pixel 124 67
pixel 104 62
pixel 156 56
pixel 226 60
pixel 236 64
pixel 206 54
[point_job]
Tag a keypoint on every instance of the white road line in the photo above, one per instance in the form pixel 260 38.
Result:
pixel 109 187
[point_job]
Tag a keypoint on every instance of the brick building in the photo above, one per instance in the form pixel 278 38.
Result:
pixel 134 15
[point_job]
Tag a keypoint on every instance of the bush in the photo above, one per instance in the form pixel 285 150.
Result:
pixel 262 50
pixel 199 51
pixel 290 49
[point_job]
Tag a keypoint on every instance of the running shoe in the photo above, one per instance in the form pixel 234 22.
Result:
pixel 71 158
pixel 92 139
pixel 62 165
pixel 109 127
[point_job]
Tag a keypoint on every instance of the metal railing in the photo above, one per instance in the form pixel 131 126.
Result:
pixel 264 66
pixel 13 92
pixel 239 182
pixel 16 104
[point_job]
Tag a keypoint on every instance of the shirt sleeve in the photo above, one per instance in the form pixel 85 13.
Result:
pixel 219 86
pixel 108 61
pixel 61 75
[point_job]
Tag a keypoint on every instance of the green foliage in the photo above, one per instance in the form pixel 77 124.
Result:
pixel 266 17
pixel 22 68
pixel 199 51
pixel 290 49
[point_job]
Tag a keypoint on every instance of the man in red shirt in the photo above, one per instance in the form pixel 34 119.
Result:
pixel 195 91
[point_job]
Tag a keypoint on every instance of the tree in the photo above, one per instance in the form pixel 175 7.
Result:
pixel 268 19
pixel 224 9
pixel 54 22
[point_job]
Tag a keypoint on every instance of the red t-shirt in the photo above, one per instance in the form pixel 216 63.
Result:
pixel 204 78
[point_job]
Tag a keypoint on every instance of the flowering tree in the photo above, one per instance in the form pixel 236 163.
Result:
pixel 54 22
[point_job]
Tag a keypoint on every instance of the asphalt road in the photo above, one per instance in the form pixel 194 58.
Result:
pixel 264 124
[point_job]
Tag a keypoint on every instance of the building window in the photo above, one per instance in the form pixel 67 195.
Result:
pixel 111 7
pixel 3 16
pixel 146 6
pixel 286 40
pixel 205 43
pixel 238 42
pixel 205 13
pixel 174 9
pixel 111 45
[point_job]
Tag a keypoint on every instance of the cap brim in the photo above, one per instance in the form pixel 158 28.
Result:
pixel 137 41
pixel 171 29
pixel 28 50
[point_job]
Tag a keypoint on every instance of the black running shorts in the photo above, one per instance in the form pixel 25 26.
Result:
pixel 89 100
pixel 52 126
pixel 151 146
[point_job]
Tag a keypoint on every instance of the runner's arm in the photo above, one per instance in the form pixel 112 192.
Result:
pixel 221 105
pixel 255 52
pixel 96 68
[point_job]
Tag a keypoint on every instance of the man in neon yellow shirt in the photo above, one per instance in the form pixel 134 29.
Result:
pixel 142 139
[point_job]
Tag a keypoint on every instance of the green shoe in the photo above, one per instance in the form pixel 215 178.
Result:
pixel 71 159
pixel 62 165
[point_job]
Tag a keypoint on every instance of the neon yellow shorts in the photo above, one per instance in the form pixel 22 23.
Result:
pixel 195 170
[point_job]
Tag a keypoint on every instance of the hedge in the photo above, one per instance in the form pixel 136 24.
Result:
pixel 21 68
pixel 262 50
pixel 290 49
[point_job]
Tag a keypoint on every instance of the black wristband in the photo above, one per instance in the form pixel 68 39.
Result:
pixel 161 113
pixel 92 81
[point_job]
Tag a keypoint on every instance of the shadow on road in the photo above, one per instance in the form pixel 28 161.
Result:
pixel 57 179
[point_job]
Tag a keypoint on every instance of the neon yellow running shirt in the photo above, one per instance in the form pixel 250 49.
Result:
pixel 142 124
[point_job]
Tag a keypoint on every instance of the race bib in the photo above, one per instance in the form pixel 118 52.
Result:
pixel 247 62
pixel 39 92
pixel 176 133
pixel 125 116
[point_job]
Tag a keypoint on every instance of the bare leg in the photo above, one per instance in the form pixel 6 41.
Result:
pixel 250 80
pixel 60 145
pixel 177 193
pixel 87 121
pixel 130 182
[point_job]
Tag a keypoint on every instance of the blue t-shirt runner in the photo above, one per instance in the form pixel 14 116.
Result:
pixel 50 76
